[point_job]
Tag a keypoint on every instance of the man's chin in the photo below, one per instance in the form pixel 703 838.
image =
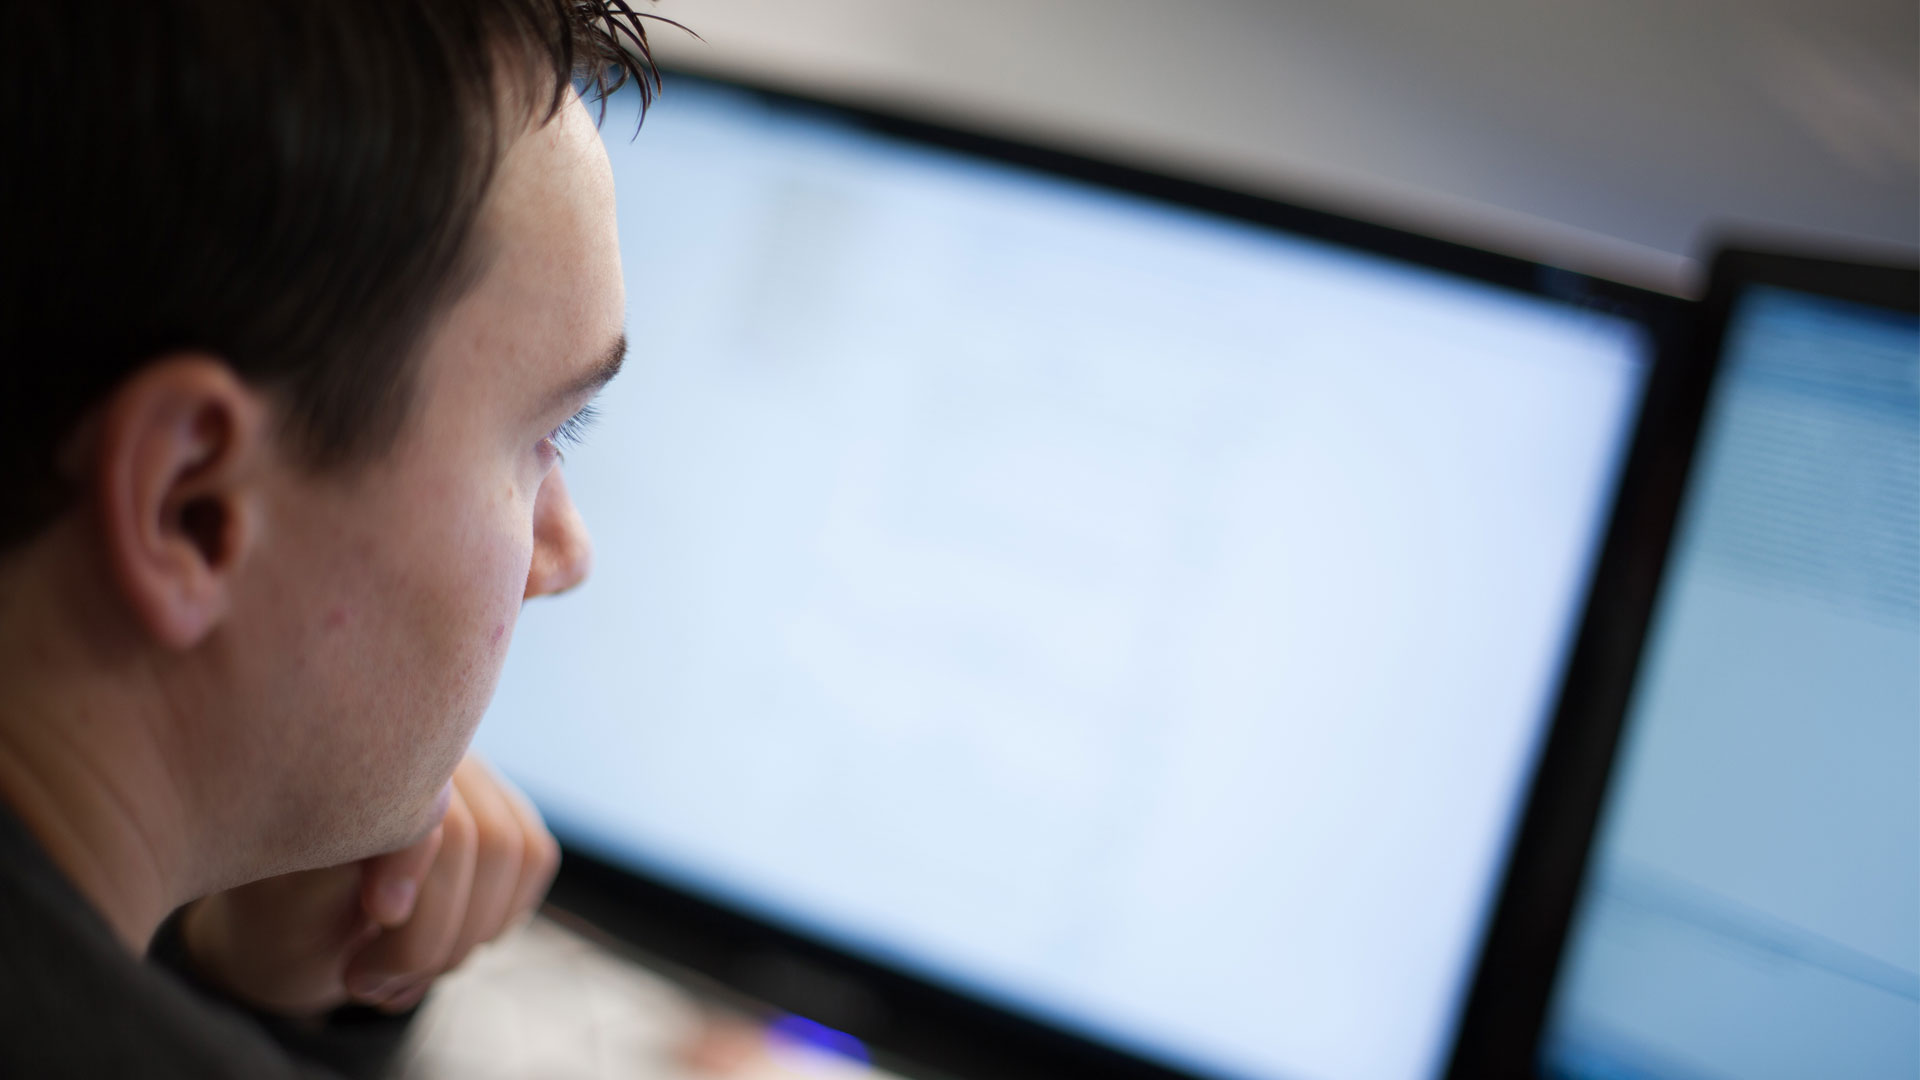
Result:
pixel 424 819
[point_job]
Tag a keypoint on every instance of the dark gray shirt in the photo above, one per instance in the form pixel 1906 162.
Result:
pixel 73 1003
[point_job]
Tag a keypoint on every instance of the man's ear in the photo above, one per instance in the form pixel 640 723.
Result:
pixel 178 454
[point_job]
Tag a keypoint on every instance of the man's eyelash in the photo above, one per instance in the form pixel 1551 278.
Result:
pixel 573 430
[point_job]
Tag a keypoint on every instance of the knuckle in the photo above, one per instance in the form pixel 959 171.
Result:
pixel 499 847
pixel 542 861
pixel 458 830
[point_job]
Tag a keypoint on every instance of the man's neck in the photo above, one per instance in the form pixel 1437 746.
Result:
pixel 98 819
pixel 83 757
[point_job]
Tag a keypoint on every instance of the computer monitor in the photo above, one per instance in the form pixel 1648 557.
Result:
pixel 1752 901
pixel 1061 619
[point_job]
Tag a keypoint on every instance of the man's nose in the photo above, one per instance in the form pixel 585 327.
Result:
pixel 562 551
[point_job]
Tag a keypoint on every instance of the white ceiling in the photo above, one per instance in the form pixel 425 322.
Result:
pixel 1612 136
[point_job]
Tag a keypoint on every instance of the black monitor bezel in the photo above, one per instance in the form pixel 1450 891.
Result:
pixel 1500 1031
pixel 917 1024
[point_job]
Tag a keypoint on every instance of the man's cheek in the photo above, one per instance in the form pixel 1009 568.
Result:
pixel 502 587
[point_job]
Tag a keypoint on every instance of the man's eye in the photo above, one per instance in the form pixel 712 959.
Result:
pixel 571 431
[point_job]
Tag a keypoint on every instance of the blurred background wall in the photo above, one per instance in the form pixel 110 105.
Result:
pixel 1613 136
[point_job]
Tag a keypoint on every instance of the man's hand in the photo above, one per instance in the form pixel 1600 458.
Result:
pixel 381 930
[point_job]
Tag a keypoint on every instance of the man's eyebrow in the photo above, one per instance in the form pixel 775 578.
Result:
pixel 601 373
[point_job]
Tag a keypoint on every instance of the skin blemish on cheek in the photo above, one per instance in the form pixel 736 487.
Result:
pixel 499 630
pixel 336 617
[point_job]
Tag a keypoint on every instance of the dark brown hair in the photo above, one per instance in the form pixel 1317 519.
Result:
pixel 291 185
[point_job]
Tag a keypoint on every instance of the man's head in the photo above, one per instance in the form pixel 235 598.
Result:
pixel 293 298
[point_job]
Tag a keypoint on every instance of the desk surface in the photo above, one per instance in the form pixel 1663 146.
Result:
pixel 547 1002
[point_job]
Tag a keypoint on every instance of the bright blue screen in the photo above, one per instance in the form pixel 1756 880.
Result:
pixel 1754 908
pixel 1141 620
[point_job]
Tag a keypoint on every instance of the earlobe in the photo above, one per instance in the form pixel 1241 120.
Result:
pixel 178 452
